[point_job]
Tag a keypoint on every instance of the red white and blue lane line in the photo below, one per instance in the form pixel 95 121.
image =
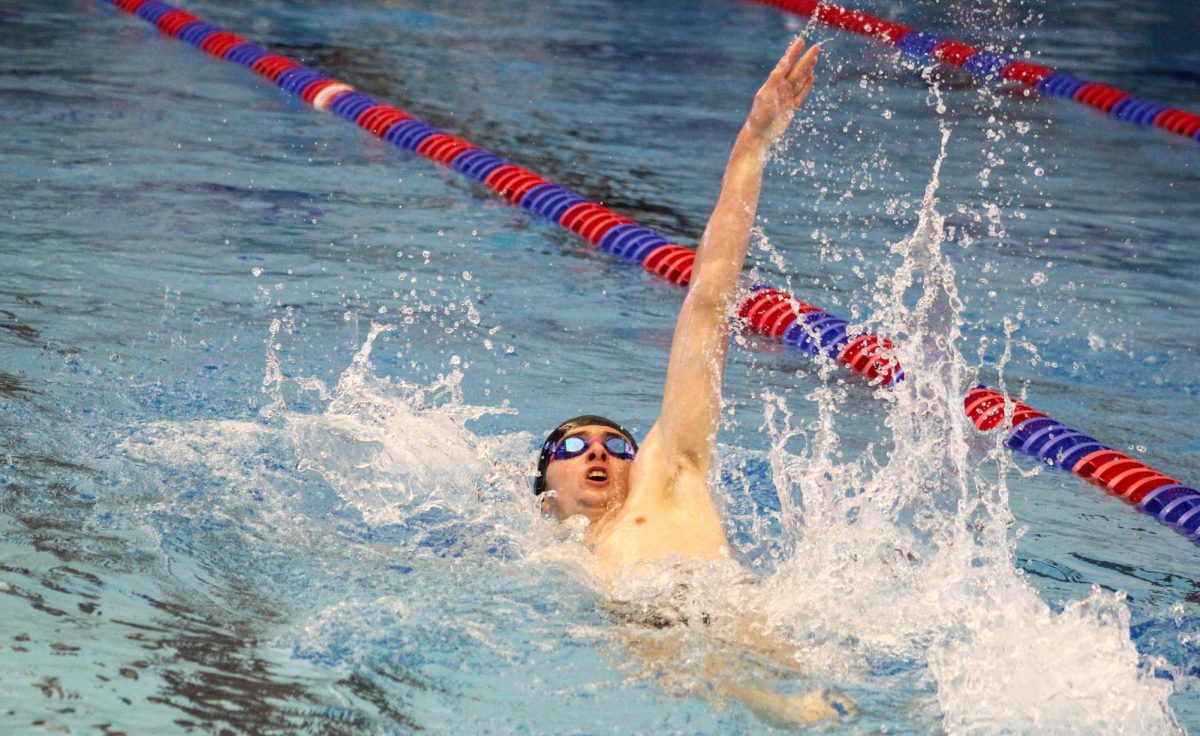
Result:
pixel 770 312
pixel 994 66
pixel 1033 433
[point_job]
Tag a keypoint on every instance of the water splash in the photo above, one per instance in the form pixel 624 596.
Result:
pixel 909 562
pixel 390 448
pixel 372 458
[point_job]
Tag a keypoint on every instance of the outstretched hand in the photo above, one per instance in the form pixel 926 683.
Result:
pixel 777 100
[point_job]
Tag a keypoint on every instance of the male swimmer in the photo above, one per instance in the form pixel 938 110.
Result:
pixel 652 503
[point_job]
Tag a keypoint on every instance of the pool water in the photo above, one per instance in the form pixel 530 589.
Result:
pixel 271 389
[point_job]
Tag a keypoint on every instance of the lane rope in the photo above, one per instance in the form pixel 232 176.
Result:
pixel 1033 433
pixel 768 311
pixel 993 66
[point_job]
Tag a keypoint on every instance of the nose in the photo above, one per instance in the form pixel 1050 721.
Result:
pixel 596 449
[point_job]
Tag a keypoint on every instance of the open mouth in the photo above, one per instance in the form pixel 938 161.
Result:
pixel 597 475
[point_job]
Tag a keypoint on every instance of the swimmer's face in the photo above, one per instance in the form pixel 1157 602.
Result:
pixel 589 483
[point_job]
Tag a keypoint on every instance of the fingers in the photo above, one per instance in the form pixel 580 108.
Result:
pixel 784 91
pixel 803 69
pixel 788 60
pixel 800 76
pixel 793 51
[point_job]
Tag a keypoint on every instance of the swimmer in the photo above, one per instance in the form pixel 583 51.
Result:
pixel 652 503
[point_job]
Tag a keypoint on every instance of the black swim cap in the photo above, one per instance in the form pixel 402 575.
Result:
pixel 539 483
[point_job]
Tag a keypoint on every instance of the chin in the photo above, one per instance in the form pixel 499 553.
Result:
pixel 597 502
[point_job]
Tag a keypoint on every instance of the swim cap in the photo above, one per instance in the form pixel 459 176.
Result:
pixel 539 483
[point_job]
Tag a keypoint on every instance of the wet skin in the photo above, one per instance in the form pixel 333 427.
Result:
pixel 590 483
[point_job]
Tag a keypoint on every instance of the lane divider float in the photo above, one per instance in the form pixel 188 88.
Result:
pixel 993 66
pixel 770 312
pixel 1033 433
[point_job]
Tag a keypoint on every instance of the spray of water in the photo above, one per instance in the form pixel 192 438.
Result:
pixel 910 562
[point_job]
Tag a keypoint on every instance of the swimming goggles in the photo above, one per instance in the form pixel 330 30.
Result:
pixel 575 446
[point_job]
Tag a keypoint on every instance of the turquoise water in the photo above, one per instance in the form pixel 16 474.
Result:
pixel 271 389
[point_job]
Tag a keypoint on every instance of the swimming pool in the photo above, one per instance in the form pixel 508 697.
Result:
pixel 214 516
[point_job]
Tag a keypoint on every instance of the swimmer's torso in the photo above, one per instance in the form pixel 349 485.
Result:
pixel 667 513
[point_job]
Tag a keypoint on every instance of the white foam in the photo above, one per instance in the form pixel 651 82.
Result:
pixel 388 447
pixel 910 561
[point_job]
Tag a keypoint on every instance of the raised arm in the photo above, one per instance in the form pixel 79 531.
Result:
pixel 687 426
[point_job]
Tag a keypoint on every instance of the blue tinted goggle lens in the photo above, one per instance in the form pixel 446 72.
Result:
pixel 574 447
